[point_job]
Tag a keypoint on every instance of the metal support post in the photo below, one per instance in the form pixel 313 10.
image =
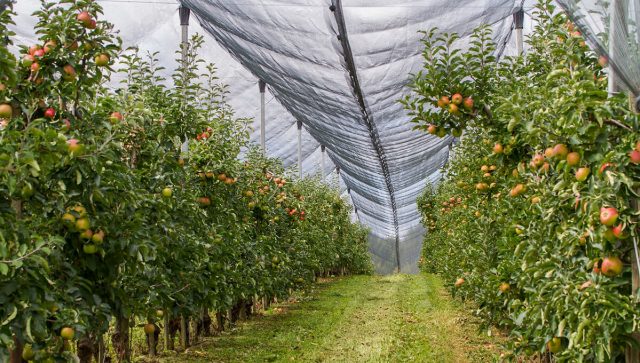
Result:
pixel 262 86
pixel 518 20
pixel 322 165
pixel 300 149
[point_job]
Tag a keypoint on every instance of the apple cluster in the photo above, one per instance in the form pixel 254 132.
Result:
pixel 77 221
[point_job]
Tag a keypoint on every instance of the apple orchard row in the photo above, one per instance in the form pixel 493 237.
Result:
pixel 107 226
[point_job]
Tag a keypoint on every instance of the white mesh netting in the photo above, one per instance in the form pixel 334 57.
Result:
pixel 339 67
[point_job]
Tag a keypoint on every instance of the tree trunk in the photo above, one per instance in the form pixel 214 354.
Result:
pixel 152 343
pixel 86 348
pixel 168 336
pixel 205 322
pixel 184 332
pixel 196 330
pixel 242 310
pixel 100 354
pixel 16 354
pixel 632 354
pixel 219 322
pixel 120 339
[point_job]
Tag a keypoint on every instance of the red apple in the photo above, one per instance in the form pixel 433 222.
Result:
pixel 432 129
pixel 38 53
pixel 92 24
pixel 50 45
pixel 453 108
pixel 596 266
pixel 604 167
pixel 86 234
pixel 635 157
pixel 33 48
pixel 608 216
pixel 443 102
pixel 66 124
pixel 456 99
pixel 498 149
pixel 603 61
pixel 73 146
pixel 115 117
pixel 582 174
pixel 618 231
pixel 50 113
pixel 549 153
pixel 560 151
pixel 6 111
pixel 35 67
pixel 545 167
pixel 72 46
pixel 98 237
pixel 85 18
pixel 468 103
pixel 68 72
pixel 482 187
pixel 611 266
pixel 573 158
pixel 517 190
pixel 537 160
pixel 204 201
pixel 28 60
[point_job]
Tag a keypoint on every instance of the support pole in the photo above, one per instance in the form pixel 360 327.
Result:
pixel 300 149
pixel 262 86
pixel 518 21
pixel 184 13
pixel 184 23
pixel 322 152
pixel 617 40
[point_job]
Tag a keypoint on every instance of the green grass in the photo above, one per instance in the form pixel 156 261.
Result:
pixel 398 318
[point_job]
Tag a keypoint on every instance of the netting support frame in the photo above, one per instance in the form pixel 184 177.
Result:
pixel 336 8
pixel 263 145
pixel 518 21
pixel 299 124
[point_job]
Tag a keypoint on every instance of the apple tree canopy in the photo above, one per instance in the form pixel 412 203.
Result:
pixel 339 67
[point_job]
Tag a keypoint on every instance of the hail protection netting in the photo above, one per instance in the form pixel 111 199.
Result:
pixel 338 67
pixel 611 28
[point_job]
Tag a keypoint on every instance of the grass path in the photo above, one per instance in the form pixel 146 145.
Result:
pixel 398 318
